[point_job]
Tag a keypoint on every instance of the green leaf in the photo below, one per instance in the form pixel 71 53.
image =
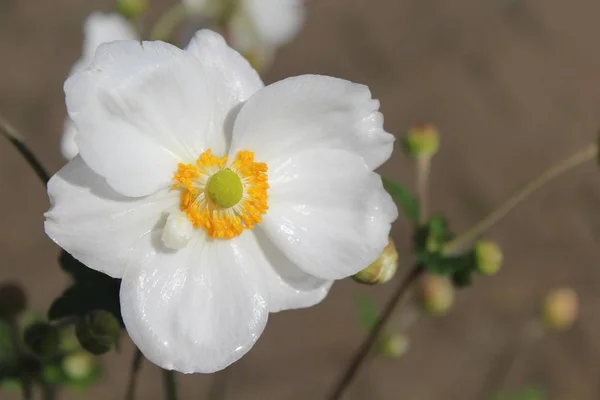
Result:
pixel 367 311
pixel 406 200
pixel 90 291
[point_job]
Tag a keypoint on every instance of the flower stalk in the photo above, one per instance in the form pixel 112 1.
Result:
pixel 457 245
pixel 10 133
pixel 170 385
pixel 135 369
pixel 362 352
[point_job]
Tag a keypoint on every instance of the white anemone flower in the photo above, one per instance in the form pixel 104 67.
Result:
pixel 98 28
pixel 256 27
pixel 216 199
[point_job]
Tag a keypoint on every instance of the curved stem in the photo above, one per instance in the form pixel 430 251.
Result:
pixel 423 167
pixel 456 245
pixel 170 385
pixel 10 133
pixel 135 368
pixel 166 24
pixel 363 351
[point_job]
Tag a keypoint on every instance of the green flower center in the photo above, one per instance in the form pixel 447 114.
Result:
pixel 225 188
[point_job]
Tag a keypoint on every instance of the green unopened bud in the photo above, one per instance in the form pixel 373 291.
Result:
pixel 98 331
pixel 560 308
pixel 78 366
pixel 131 8
pixel 13 301
pixel 422 140
pixel 436 294
pixel 394 346
pixel 52 374
pixel 43 339
pixel 488 257
pixel 383 269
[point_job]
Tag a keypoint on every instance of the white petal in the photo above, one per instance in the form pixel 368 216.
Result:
pixel 276 21
pixel 289 286
pixel 231 78
pixel 68 147
pixel 312 112
pixel 198 309
pixel 102 28
pixel 140 109
pixel 328 212
pixel 95 224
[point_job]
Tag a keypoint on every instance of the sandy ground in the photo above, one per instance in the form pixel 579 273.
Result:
pixel 513 85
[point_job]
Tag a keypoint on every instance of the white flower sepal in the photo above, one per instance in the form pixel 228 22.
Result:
pixel 276 185
pixel 98 28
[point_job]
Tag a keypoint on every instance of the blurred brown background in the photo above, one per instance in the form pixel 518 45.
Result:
pixel 513 84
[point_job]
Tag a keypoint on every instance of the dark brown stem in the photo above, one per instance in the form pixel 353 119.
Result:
pixel 135 368
pixel 9 132
pixel 363 351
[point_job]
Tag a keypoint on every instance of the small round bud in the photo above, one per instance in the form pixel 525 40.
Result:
pixel 422 140
pixel 98 331
pixel 436 294
pixel 488 257
pixel 52 374
pixel 394 346
pixel 381 270
pixel 13 300
pixel 43 339
pixel 131 8
pixel 560 308
pixel 78 366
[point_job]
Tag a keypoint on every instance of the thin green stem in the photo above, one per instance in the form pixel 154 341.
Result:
pixel 135 368
pixel 170 385
pixel 10 133
pixel 547 175
pixel 220 384
pixel 423 168
pixel 166 24
pixel 362 352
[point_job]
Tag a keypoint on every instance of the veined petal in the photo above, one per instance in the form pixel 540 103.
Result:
pixel 328 212
pixel 289 286
pixel 312 112
pixel 95 224
pixel 276 22
pixel 230 77
pixel 198 309
pixel 140 109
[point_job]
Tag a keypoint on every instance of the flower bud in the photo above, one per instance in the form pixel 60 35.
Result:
pixel 98 331
pixel 52 374
pixel 381 270
pixel 395 345
pixel 12 301
pixel 43 339
pixel 560 308
pixel 422 140
pixel 488 257
pixel 78 366
pixel 436 294
pixel 131 8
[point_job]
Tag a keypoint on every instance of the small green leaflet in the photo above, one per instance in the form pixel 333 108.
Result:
pixel 367 311
pixel 531 393
pixel 406 200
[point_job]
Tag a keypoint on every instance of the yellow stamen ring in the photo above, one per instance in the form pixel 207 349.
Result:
pixel 223 199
